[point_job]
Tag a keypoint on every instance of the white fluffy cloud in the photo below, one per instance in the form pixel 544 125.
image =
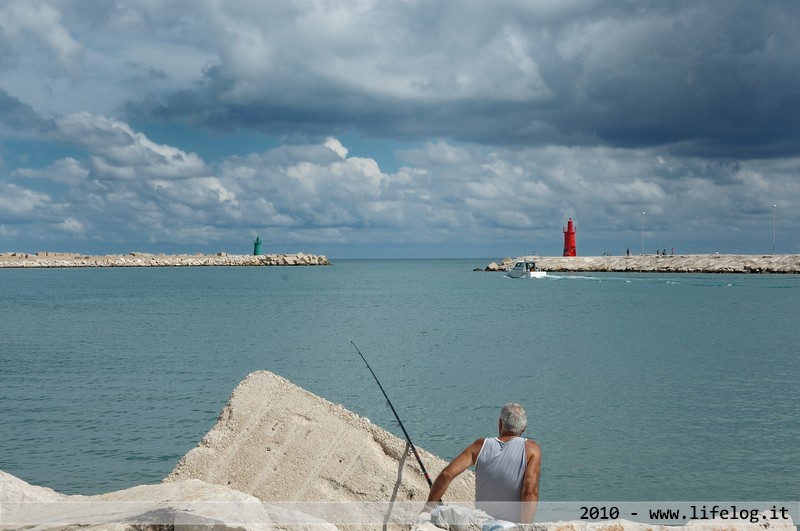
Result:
pixel 118 152
pixel 39 25
pixel 301 192
pixel 21 205
pixel 66 171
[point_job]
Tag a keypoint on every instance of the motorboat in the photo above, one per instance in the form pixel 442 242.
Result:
pixel 525 268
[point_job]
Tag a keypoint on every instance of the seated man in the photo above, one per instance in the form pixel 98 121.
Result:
pixel 506 470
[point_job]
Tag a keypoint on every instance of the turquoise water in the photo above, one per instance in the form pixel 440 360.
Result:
pixel 638 387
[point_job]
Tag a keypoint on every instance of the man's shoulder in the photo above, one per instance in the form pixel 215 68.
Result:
pixel 532 447
pixel 478 443
pixel 474 449
pixel 530 443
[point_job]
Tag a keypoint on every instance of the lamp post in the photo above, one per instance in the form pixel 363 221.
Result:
pixel 773 229
pixel 641 251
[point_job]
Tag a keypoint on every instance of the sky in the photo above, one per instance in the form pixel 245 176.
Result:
pixel 399 128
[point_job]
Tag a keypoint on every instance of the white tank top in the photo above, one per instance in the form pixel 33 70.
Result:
pixel 499 471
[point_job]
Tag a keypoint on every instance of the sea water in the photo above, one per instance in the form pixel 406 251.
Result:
pixel 638 386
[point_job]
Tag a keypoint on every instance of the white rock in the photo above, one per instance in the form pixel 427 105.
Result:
pixel 190 503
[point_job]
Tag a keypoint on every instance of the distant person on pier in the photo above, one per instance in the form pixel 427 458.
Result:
pixel 506 470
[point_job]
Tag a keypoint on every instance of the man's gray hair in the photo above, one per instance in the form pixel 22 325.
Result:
pixel 513 418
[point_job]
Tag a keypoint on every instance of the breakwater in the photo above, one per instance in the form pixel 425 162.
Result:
pixel 688 263
pixel 50 260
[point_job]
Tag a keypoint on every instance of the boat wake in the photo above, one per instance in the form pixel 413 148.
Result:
pixel 627 280
pixel 636 279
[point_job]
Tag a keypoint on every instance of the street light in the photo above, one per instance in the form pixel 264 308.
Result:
pixel 773 229
pixel 641 251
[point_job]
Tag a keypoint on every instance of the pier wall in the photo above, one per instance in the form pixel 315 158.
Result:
pixel 690 263
pixel 48 260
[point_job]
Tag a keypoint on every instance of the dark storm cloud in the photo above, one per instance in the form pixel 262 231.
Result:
pixel 711 78
pixel 18 118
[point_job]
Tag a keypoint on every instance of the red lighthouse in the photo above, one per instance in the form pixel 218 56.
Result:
pixel 569 239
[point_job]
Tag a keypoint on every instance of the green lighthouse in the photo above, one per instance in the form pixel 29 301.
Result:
pixel 257 247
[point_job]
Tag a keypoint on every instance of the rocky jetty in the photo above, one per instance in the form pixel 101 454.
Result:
pixel 280 457
pixel 45 260
pixel 688 263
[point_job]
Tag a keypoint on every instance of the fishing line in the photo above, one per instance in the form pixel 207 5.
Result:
pixel 399 422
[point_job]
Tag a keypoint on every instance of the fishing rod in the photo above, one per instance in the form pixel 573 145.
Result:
pixel 399 422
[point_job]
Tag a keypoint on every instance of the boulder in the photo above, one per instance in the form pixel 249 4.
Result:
pixel 279 442
pixel 190 504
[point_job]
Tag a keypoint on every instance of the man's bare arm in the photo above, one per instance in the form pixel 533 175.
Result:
pixel 463 461
pixel 530 482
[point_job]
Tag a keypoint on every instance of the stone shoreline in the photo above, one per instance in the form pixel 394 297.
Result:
pixel 282 458
pixel 685 263
pixel 50 260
